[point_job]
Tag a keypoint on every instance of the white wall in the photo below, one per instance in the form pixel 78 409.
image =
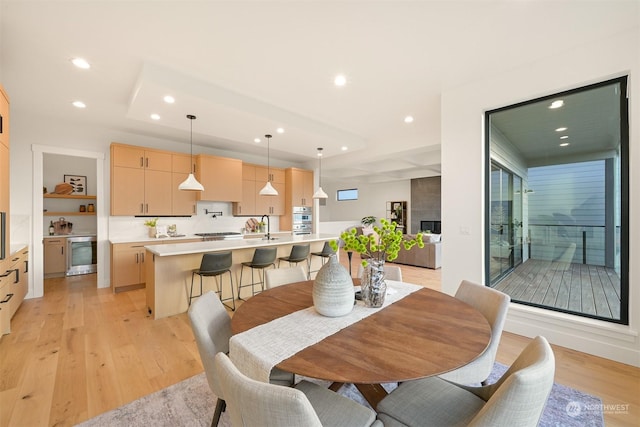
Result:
pixel 463 173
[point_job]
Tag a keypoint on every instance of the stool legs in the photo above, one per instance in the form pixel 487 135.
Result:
pixel 253 281
pixel 218 280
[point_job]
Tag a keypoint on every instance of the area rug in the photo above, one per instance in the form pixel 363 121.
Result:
pixel 191 402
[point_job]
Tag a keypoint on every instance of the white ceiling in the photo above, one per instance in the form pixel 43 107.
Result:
pixel 245 68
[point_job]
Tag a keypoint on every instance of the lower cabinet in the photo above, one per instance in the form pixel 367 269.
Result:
pixel 55 257
pixel 14 285
pixel 128 263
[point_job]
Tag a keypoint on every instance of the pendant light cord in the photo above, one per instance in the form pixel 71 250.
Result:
pixel 268 157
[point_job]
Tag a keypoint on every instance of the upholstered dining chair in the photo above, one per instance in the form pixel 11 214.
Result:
pixel 283 276
pixel 493 305
pixel 391 272
pixel 254 403
pixel 516 399
pixel 211 326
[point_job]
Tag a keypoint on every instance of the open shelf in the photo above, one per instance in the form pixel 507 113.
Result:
pixel 68 196
pixel 47 213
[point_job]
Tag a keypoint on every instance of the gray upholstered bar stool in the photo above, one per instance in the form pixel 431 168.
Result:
pixel 324 254
pixel 262 258
pixel 299 253
pixel 215 265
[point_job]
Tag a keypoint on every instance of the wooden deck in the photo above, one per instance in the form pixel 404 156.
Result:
pixel 580 288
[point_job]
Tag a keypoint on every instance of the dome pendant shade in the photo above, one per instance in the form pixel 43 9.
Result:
pixel 320 194
pixel 268 189
pixel 191 183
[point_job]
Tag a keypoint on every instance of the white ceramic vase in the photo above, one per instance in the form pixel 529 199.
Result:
pixel 333 293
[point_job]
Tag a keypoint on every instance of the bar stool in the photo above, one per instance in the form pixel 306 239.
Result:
pixel 262 258
pixel 326 252
pixel 215 265
pixel 299 253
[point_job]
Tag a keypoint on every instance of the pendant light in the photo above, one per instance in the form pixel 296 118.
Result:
pixel 268 189
pixel 320 194
pixel 191 183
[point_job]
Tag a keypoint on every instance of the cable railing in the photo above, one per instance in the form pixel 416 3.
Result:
pixel 584 244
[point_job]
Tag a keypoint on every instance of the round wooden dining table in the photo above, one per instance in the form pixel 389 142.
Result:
pixel 423 334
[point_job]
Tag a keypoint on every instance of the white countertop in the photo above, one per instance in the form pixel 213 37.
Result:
pixel 233 244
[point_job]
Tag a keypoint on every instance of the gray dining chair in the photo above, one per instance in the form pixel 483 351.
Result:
pixel 282 276
pixel 254 403
pixel 516 399
pixel 493 305
pixel 211 326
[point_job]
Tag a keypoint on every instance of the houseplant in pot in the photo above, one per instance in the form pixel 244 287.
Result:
pixel 151 223
pixel 382 245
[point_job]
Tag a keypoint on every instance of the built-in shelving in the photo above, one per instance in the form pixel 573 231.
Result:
pixel 68 197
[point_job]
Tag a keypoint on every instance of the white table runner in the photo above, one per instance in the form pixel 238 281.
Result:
pixel 256 351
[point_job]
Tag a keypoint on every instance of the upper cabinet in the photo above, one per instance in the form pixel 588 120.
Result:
pixel 299 187
pixel 140 180
pixel 299 192
pixel 254 177
pixel 221 178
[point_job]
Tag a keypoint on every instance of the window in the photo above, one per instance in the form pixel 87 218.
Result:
pixel 351 194
pixel 557 214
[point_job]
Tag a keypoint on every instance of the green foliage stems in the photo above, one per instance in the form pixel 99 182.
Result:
pixel 383 244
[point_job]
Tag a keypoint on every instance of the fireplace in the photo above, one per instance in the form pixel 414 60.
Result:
pixel 434 226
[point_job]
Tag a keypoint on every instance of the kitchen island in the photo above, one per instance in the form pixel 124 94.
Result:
pixel 169 266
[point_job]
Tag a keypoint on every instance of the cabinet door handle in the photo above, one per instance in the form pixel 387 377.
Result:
pixel 142 257
pixel 141 207
pixel 146 208
pixel 62 250
pixel 26 266
pixel 141 162
pixel 146 162
pixel 8 297
pixel 137 258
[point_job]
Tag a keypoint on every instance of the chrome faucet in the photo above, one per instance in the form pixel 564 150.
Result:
pixel 268 236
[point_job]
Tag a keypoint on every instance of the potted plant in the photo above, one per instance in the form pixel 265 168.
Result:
pixel 151 223
pixel 382 245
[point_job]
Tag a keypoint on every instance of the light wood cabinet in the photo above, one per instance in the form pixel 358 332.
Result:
pixel 299 192
pixel 182 202
pixel 55 257
pixel 254 177
pixel 221 178
pixel 4 172
pixel 4 117
pixel 140 179
pixel 14 284
pixel 128 263
pixel 300 187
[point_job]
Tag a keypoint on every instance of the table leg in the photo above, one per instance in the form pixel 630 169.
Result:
pixel 373 393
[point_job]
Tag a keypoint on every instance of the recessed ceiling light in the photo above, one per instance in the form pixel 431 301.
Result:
pixel 561 129
pixel 79 104
pixel 564 144
pixel 257 140
pixel 564 137
pixel 408 119
pixel 280 130
pixel 169 99
pixel 556 104
pixel 81 63
pixel 155 116
pixel 340 80
pixel 344 148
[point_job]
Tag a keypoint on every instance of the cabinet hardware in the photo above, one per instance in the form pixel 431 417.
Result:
pixel 9 296
pixel 137 259
pixel 141 162
pixel 146 163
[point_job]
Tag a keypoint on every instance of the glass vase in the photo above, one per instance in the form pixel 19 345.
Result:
pixel 373 287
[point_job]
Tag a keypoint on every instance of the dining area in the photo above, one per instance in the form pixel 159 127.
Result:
pixel 420 358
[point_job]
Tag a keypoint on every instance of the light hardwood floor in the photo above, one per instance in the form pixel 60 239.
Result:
pixel 81 351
